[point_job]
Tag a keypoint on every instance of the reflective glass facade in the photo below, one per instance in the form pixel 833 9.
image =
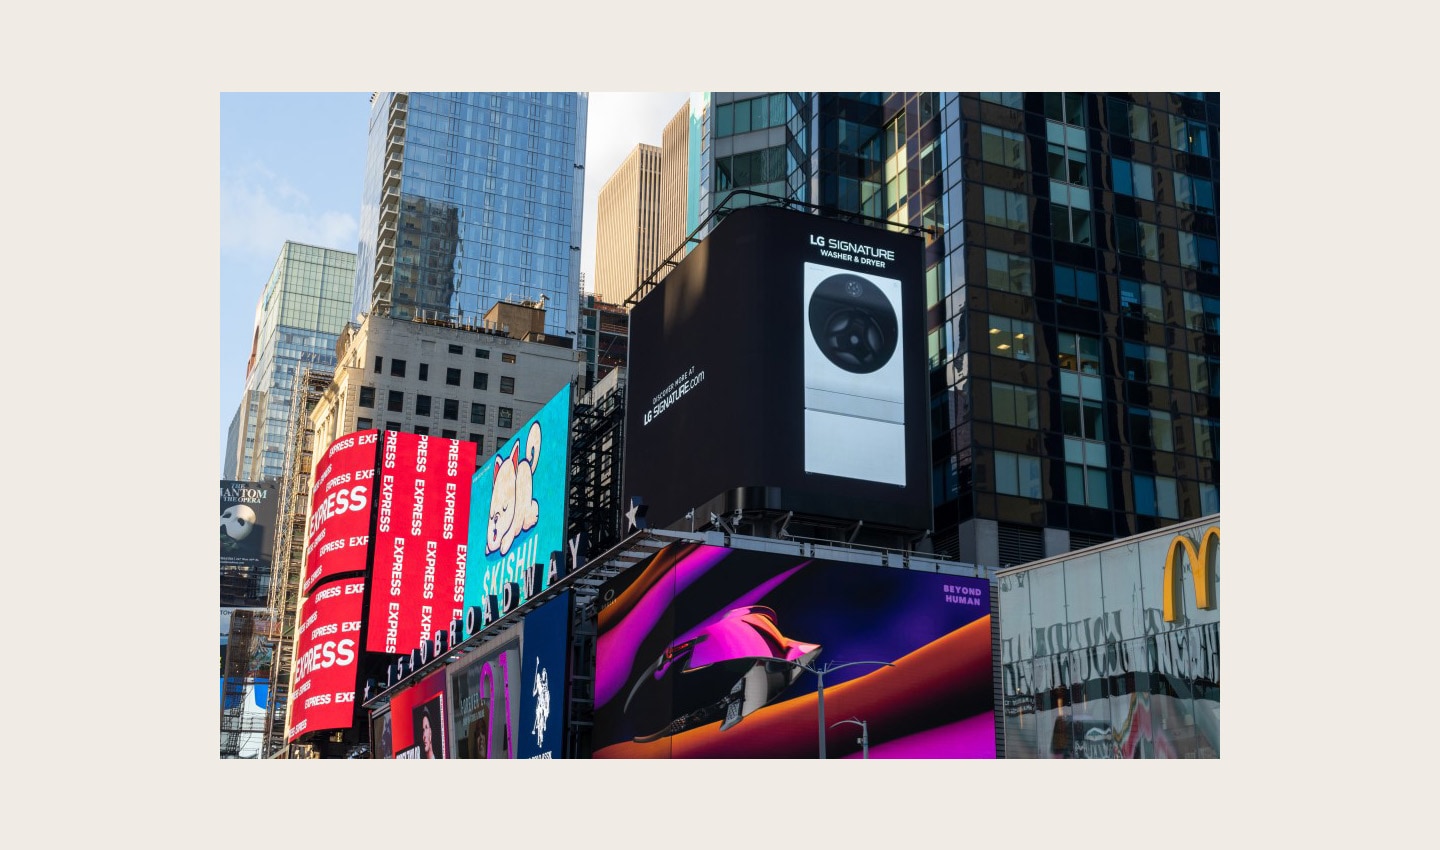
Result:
pixel 472 198
pixel 301 313
pixel 1072 290
pixel 1091 665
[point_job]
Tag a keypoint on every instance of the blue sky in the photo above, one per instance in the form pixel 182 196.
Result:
pixel 291 167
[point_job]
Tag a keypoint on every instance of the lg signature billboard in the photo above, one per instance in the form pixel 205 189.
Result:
pixel 782 365
pixel 322 691
pixel 517 510
pixel 679 675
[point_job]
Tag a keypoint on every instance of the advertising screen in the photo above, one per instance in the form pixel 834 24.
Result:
pixel 542 679
pixel 247 540
pixel 422 514
pixel 341 493
pixel 781 365
pixel 517 509
pixel 322 690
pixel 486 696
pixel 677 674
pixel 380 736
pixel 417 720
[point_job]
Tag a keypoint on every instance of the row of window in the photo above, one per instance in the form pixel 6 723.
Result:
pixel 1126 119
pixel 450 408
pixel 756 113
pixel 1012 339
pixel 1082 418
pixel 1015 273
pixel 364 424
pixel 479 380
pixel 1154 495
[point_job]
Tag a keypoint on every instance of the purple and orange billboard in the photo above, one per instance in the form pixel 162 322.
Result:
pixel 679 675
pixel 322 692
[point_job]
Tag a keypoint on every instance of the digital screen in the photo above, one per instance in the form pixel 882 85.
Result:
pixel 485 693
pixel 417 720
pixel 422 514
pixel 337 539
pixel 678 673
pixel 247 534
pixel 773 368
pixel 517 508
pixel 322 690
pixel 381 736
pixel 542 679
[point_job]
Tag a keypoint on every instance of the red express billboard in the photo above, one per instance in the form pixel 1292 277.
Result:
pixel 417 720
pixel 337 538
pixel 422 519
pixel 322 693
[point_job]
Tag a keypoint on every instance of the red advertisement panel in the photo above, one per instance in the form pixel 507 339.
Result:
pixel 322 692
pixel 422 523
pixel 417 720
pixel 342 492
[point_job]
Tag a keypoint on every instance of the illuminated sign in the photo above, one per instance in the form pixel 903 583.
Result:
pixel 486 702
pixel 418 728
pixel 1202 567
pixel 337 537
pixel 542 680
pixel 322 693
pixel 517 514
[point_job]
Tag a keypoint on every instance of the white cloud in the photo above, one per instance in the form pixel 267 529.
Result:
pixel 259 210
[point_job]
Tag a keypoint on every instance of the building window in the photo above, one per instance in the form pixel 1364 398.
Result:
pixel 1135 179
pixel 1196 193
pixel 1141 299
pixel 397 368
pixel 482 353
pixel 447 434
pixel 507 385
pixel 1068 107
pixel 1065 154
pixel 1076 285
pixel 456 349
pixel 1128 119
pixel 422 430
pixel 1202 312
pixel 1011 338
pixel 1008 272
pixel 396 402
pixel 1082 417
pixel 482 381
pixel 1002 147
pixel 929 162
pixel 363 424
pixel 1151 429
pixel 1006 209
pixel 1137 238
pixel 379 363
pixel 1189 136
pixel 1209 499
pixel 1207 438
pixel 477 413
pixel 1204 374
pixel 452 409
pixel 367 396
pixel 392 426
pixel 479 441
pixel 1146 363
pixel 1012 99
pixel 1017 475
pixel 1079 353
pixel 1199 252
pixel 1014 405
pixel 503 417
pixel 1155 495
pixel 1087 485
pixel 422 405
pixel 452 377
pixel 507 358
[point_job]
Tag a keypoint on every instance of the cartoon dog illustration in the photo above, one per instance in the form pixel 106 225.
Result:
pixel 512 507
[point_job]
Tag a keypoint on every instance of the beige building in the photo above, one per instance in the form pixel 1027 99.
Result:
pixel 627 226
pixel 674 185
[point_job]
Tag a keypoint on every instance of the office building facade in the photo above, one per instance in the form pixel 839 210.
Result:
pixel 627 226
pixel 301 312
pixel 1072 289
pixel 469 199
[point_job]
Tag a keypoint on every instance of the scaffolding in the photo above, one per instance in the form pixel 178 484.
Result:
pixel 243 680
pixel 289 557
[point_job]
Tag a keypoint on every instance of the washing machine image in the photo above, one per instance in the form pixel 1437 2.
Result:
pixel 854 376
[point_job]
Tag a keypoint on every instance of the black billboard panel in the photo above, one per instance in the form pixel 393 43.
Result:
pixel 781 365
pixel 247 541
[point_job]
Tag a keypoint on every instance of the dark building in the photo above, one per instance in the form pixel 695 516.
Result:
pixel 1072 289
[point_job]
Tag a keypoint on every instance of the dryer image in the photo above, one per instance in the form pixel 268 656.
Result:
pixel 854 377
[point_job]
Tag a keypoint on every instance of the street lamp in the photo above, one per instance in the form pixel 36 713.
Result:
pixel 820 684
pixel 864 735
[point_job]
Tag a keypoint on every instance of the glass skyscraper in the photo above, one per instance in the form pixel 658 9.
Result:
pixel 472 198
pixel 1072 289
pixel 301 313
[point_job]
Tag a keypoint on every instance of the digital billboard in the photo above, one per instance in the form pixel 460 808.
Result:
pixel 677 673
pixel 517 510
pixel 543 678
pixel 247 541
pixel 422 514
pixel 381 736
pixel 485 693
pixel 322 690
pixel 782 365
pixel 417 720
pixel 337 538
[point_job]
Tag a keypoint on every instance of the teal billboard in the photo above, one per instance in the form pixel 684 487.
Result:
pixel 517 514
